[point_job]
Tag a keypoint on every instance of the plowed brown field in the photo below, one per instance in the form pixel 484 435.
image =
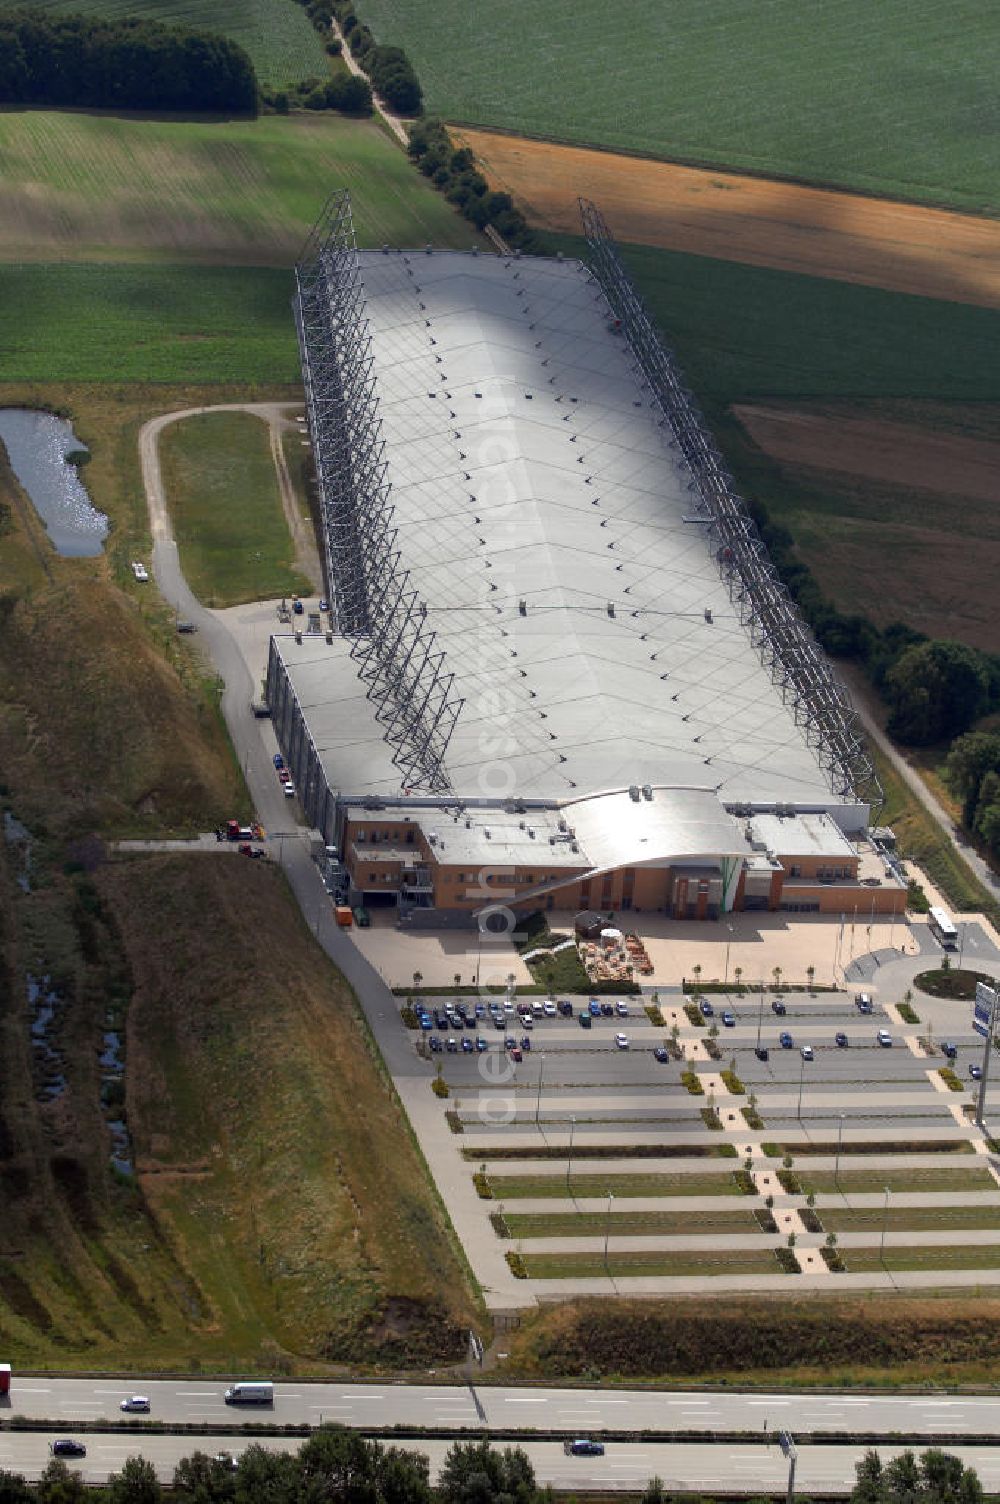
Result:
pixel 879 242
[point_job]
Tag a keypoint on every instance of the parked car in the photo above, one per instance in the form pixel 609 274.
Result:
pixel 607 1010
pixel 527 1020
pixel 976 1072
pixel 785 1040
pixel 778 1007
pixel 583 1447
pixel 525 1043
pixel 297 606
pixel 549 1008
pixel 324 604
pixel 728 1019
pixel 509 1042
pixel 661 1054
pixel 884 1038
pixel 467 1045
pixel 621 1009
pixel 807 1052
pixel 425 1020
pixel 863 1002
pixel 499 1022
pixel 949 1049
pixel 288 789
pixel 137 1404
pixel 284 776
pixel 840 1040
pixel 537 1007
pixel 481 1044
pixel 565 1007
pixel 761 1052
pixel 515 1054
pixel 586 1022
pixel 706 1008
pixel 278 760
pixel 594 1008
pixel 65 1447
pixel 621 1040
pixel 435 1044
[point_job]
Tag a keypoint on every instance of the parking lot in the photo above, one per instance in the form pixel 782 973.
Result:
pixel 698 1152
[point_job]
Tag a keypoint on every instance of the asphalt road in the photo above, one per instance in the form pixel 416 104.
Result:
pixel 690 1466
pixel 572 1411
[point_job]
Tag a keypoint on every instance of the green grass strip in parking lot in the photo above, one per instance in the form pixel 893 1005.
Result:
pixel 624 1265
pixel 828 1148
pixel 971 1256
pixel 936 1178
pixel 909 1218
pixel 627 1224
pixel 516 1187
pixel 605 1151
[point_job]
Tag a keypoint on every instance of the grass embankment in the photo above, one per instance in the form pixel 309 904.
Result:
pixel 94 188
pixel 516 1187
pixel 868 1260
pixel 257 1105
pixel 282 45
pixel 794 1341
pixel 777 90
pixel 225 507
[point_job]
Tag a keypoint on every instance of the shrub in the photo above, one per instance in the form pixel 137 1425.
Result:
pixel 499 1225
pixel 765 1219
pixel 789 1182
pixel 907 1014
pixel 810 1220
pixel 692 1081
pixel 409 1018
pixel 733 1083
pixel 752 1118
pixel 746 1182
pixel 516 1265
pixel 483 1188
pixel 440 1087
pixel 655 1016
pixel 786 1258
pixel 711 1119
pixel 693 1015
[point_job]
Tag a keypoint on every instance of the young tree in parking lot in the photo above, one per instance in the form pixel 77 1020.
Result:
pixel 458 979
pixel 776 974
pixel 810 976
pixel 738 974
pixel 696 973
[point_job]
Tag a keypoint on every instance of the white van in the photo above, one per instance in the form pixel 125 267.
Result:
pixel 250 1394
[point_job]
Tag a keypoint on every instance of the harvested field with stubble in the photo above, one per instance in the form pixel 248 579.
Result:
pixel 269 1147
pixel 762 222
pixel 791 1341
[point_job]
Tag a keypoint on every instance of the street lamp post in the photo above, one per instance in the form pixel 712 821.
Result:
pixel 607 1232
pixel 802 1077
pixel 728 944
pixel 836 1163
pixel 961 944
pixel 760 1016
pixel 885 1219
pixel 538 1095
pixel 569 1157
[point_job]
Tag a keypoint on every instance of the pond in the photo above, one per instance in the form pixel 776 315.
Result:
pixel 37 445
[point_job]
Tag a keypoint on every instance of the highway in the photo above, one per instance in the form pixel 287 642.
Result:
pixel 570 1411
pixel 684 1467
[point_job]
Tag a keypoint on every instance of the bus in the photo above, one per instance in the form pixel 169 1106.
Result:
pixel 942 928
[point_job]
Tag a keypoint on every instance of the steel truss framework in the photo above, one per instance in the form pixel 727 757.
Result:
pixel 373 600
pixel 797 664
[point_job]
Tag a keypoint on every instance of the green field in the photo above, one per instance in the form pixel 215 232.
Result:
pixel 891 98
pixel 282 44
pixel 628 1224
pixel 730 1261
pixel 514 1187
pixel 82 187
pixel 222 493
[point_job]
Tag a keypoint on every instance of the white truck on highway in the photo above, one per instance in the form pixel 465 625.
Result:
pixel 250 1394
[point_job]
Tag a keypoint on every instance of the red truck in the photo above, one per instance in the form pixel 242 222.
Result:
pixel 4 1378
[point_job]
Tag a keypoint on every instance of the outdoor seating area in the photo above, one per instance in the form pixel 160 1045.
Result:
pixel 615 957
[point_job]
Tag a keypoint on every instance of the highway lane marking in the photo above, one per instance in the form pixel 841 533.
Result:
pixel 21 1390
pixel 197 1394
pixel 516 1399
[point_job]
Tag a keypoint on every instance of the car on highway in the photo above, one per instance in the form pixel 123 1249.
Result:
pixel 621 1041
pixel 707 1011
pixel 136 1404
pixel 806 1052
pixel 728 1019
pixel 65 1446
pixel 884 1038
pixel 662 1054
pixel 761 1052
pixel 976 1072
pixel 777 1006
pixel 840 1040
pixel 583 1447
pixel 948 1049
pixel 785 1040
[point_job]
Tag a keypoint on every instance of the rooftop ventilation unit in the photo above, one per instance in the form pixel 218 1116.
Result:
pixel 531 834
pixel 708 614
pixel 647 791
pixel 487 834
pixel 633 792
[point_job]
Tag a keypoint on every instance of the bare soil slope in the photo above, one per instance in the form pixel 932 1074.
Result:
pixel 879 242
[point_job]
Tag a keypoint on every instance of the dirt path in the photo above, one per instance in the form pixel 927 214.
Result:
pixel 394 122
pixel 878 242
pixel 274 415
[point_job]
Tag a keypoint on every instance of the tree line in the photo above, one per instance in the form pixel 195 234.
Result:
pixel 129 64
pixel 337 1466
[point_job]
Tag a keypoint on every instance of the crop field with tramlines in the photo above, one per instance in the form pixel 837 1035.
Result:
pixel 276 33
pixel 894 98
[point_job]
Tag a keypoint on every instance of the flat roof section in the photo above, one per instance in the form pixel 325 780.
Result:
pixel 529 464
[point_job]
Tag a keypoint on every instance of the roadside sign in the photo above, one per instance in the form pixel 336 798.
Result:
pixel 983 1011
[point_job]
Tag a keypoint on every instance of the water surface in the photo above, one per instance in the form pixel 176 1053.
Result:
pixel 37 445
